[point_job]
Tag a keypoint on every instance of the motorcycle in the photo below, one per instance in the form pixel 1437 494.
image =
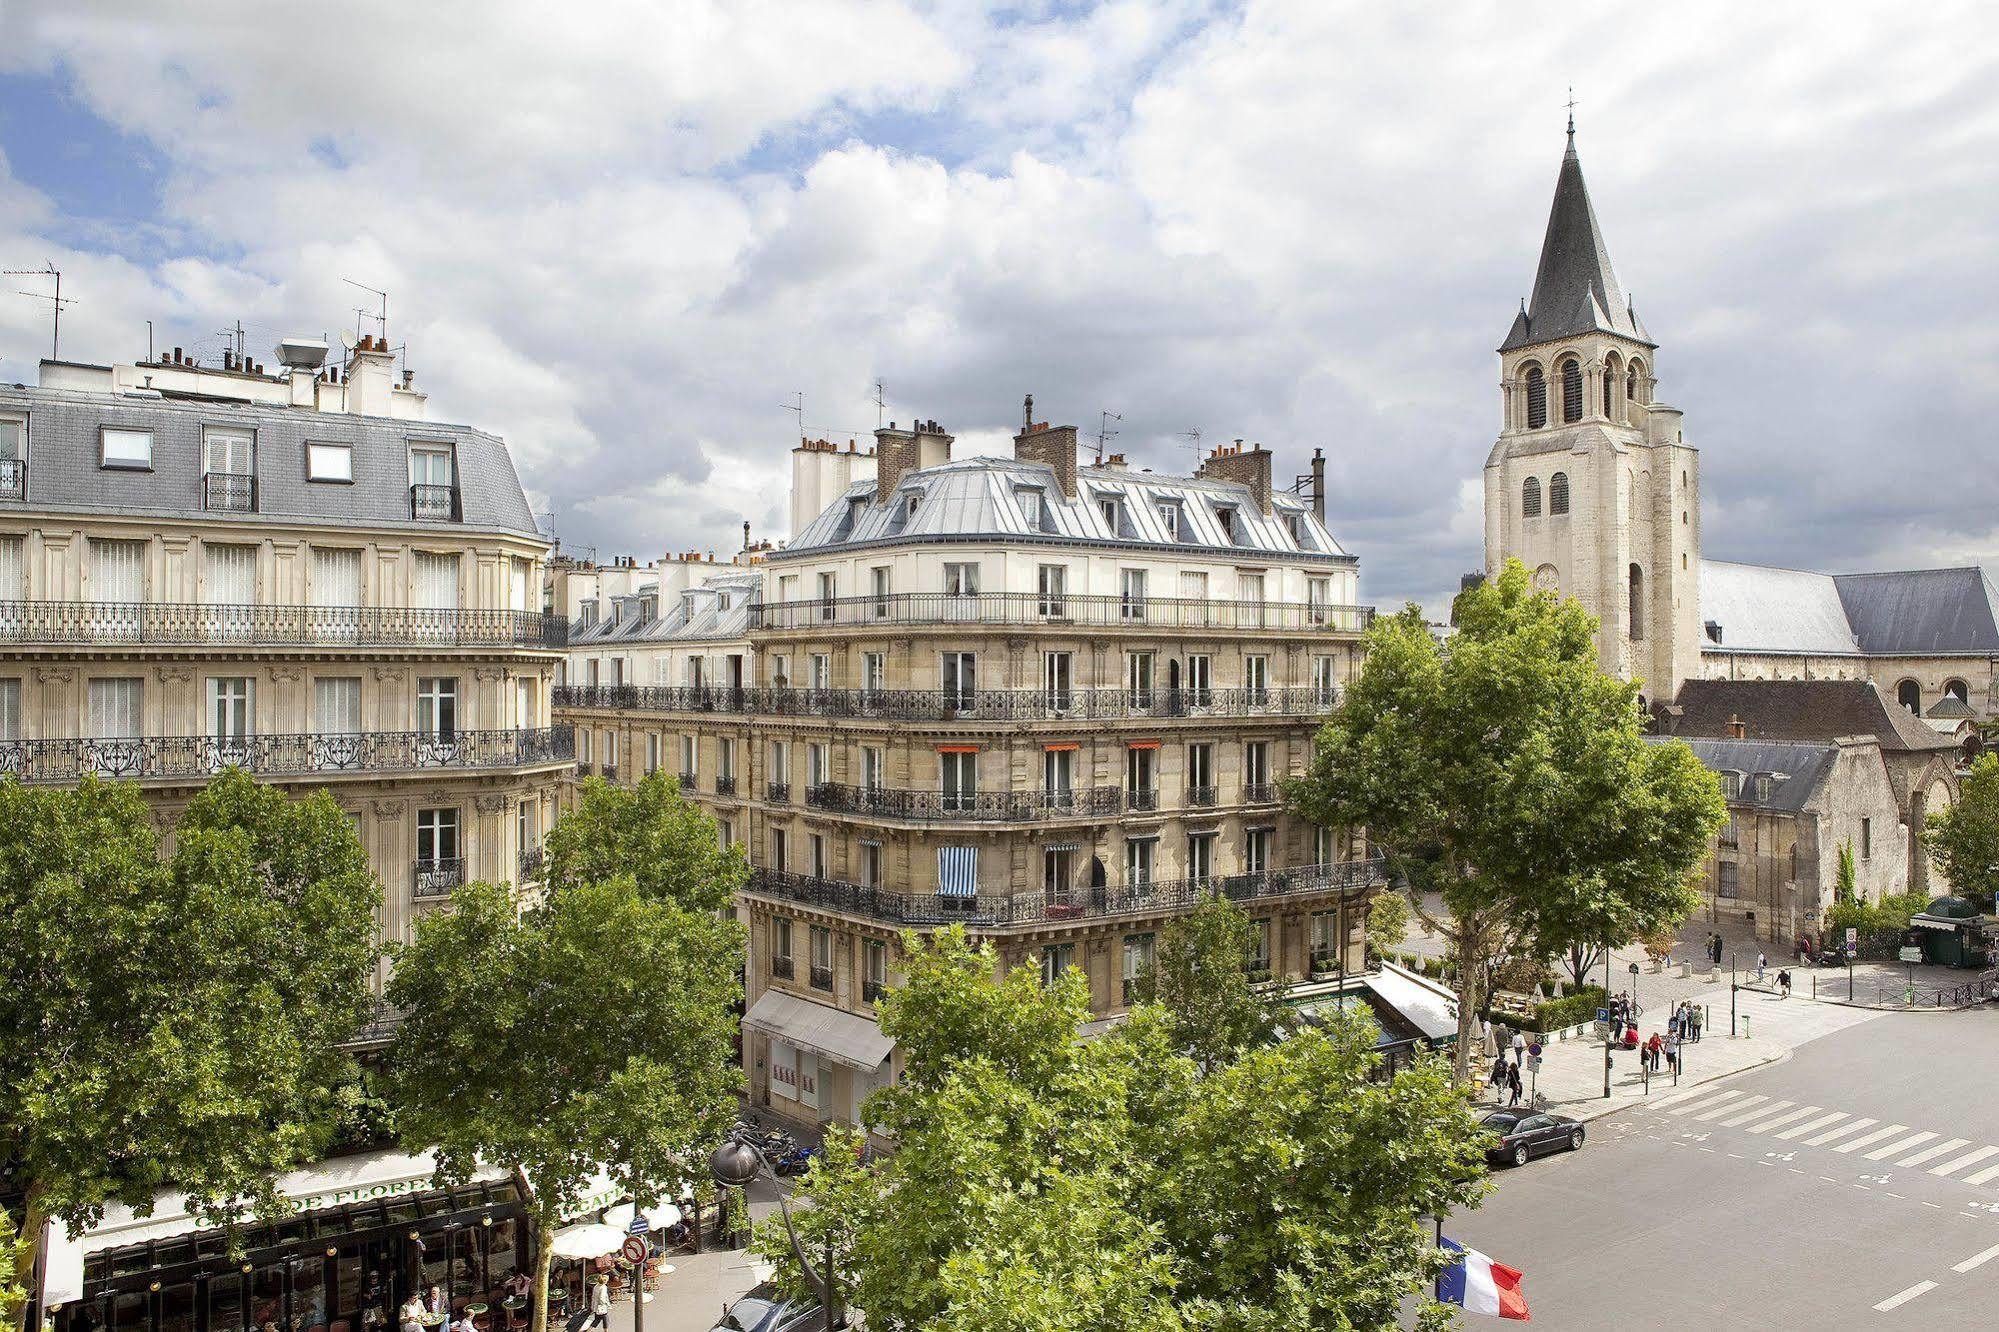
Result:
pixel 795 1162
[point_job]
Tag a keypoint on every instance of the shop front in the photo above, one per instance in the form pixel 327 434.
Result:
pixel 820 1063
pixel 356 1238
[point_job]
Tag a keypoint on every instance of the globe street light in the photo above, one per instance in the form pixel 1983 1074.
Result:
pixel 736 1165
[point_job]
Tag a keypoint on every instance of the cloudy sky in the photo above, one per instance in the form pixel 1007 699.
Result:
pixel 624 235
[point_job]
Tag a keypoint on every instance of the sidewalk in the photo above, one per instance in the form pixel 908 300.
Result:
pixel 1571 1077
pixel 692 1297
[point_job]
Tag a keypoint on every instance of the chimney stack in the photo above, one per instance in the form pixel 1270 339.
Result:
pixel 1051 446
pixel 1737 729
pixel 1319 483
pixel 1244 467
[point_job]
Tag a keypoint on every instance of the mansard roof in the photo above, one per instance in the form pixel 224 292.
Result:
pixel 1575 290
pixel 1903 613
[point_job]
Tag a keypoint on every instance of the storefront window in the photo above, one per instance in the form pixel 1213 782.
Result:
pixel 225 1302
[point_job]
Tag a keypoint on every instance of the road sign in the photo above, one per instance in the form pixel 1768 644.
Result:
pixel 1852 937
pixel 638 1225
pixel 1603 1015
pixel 1633 968
pixel 1911 953
pixel 635 1249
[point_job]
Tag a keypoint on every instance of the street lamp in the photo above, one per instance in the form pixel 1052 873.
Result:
pixel 736 1165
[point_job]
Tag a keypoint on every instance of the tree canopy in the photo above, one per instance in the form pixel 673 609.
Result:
pixel 1044 1181
pixel 592 1032
pixel 1963 841
pixel 1200 978
pixel 1504 771
pixel 172 1022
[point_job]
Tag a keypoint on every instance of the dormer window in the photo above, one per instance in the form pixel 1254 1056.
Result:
pixel 1030 501
pixel 1108 508
pixel 1764 784
pixel 1227 518
pixel 1731 785
pixel 1301 534
pixel 909 505
pixel 1169 518
pixel 588 613
pixel 855 508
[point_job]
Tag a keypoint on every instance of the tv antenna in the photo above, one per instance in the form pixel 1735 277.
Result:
pixel 1193 438
pixel 1104 432
pixel 797 408
pixel 381 319
pixel 56 301
pixel 880 401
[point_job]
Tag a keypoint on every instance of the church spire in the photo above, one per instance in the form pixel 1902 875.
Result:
pixel 1575 290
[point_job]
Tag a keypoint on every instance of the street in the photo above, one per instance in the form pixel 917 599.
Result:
pixel 1855 1184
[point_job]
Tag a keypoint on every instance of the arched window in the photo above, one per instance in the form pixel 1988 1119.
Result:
pixel 1537 398
pixel 1558 493
pixel 1612 376
pixel 1530 497
pixel 1958 690
pixel 1637 603
pixel 1572 391
pixel 1634 382
pixel 1910 695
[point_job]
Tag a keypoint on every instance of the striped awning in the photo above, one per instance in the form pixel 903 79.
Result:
pixel 958 871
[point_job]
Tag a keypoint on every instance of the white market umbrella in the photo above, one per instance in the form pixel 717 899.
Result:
pixel 587 1239
pixel 660 1216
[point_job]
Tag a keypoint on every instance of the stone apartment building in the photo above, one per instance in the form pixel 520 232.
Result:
pixel 294 573
pixel 1046 700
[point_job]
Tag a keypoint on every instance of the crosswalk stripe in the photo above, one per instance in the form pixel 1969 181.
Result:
pixel 1681 1098
pixel 1795 1115
pixel 1818 1123
pixel 1757 1113
pixel 1932 1153
pixel 1897 1148
pixel 1840 1132
pixel 1990 1172
pixel 1872 1138
pixel 1719 1111
pixel 1976 1258
pixel 1896 1301
pixel 1702 1098
pixel 1952 1167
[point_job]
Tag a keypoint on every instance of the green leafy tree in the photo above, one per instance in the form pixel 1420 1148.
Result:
pixel 1200 977
pixel 1963 841
pixel 593 1032
pixel 650 833
pixel 1388 918
pixel 15 1260
pixel 1047 1182
pixel 1506 773
pixel 173 1022
pixel 1849 875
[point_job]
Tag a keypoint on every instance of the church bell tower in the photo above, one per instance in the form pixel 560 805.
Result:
pixel 1591 484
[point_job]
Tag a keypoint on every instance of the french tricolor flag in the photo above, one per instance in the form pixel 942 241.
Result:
pixel 1480 1285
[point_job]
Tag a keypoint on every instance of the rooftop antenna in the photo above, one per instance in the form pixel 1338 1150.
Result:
pixel 56 301
pixel 381 319
pixel 880 401
pixel 1104 432
pixel 1193 438
pixel 798 408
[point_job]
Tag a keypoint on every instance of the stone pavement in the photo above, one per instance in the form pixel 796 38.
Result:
pixel 691 1298
pixel 1570 1080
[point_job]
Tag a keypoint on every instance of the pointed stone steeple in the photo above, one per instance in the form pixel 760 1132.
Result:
pixel 1575 290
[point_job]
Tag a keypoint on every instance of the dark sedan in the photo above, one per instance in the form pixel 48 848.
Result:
pixel 1520 1134
pixel 764 1310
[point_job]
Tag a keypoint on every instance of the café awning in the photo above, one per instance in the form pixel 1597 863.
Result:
pixel 845 1038
pixel 587 1239
pixel 1927 922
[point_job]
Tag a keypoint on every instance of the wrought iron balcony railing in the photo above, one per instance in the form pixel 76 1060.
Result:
pixel 688 782
pixel 1259 793
pixel 434 504
pixel 529 867
pixel 1141 800
pixel 725 786
pixel 970 806
pixel 1031 608
pixel 984 705
pixel 778 793
pixel 1201 795
pixel 780 967
pixel 873 992
pixel 584 768
pixel 228 492
pixel 146 758
pixel 13 479
pixel 1038 907
pixel 822 978
pixel 178 624
pixel 609 772
pixel 438 878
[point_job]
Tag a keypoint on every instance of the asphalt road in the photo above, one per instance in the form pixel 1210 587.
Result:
pixel 1854 1185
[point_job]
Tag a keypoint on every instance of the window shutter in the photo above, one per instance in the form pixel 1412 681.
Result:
pixel 436 581
pixel 229 575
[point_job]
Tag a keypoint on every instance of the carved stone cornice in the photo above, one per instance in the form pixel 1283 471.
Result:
pixel 390 810
pixel 176 674
pixel 61 675
pixel 491 804
pixel 386 674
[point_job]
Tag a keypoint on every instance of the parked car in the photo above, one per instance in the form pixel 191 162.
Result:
pixel 1524 1133
pixel 765 1310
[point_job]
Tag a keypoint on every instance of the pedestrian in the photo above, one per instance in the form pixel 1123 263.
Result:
pixel 1519 1048
pixel 1652 1051
pixel 1499 1076
pixel 1761 962
pixel 1784 982
pixel 1513 1084
pixel 1673 1054
pixel 1696 1017
pixel 1485 1035
pixel 600 1302
pixel 1717 950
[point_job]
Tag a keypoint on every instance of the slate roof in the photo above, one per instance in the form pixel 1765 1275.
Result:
pixel 1800 767
pixel 1808 710
pixel 1575 290
pixel 981 498
pixel 1914 613
pixel 64 474
pixel 719 609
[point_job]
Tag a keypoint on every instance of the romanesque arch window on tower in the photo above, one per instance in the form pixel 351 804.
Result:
pixel 1910 695
pixel 1572 391
pixel 1537 398
pixel 1530 497
pixel 1637 603
pixel 1558 493
pixel 1634 382
pixel 1958 690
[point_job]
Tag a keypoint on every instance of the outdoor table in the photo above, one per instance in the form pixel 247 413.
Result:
pixel 475 1309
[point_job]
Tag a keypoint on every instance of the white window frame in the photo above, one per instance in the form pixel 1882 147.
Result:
pixel 329 463
pixel 124 449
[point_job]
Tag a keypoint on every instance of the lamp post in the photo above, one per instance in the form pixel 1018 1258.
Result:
pixel 736 1165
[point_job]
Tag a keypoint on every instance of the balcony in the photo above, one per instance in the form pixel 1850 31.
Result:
pixel 13 479
pixel 873 992
pixel 1141 801
pixel 725 786
pixel 1201 796
pixel 228 492
pixel 1040 907
pixel 528 868
pixel 966 806
pixel 434 504
pixel 984 705
pixel 438 879
pixel 198 757
pixel 688 782
pixel 780 967
pixel 1030 608
pixel 1259 793
pixel 778 793
pixel 609 772
pixel 188 624
pixel 822 978
pixel 584 768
